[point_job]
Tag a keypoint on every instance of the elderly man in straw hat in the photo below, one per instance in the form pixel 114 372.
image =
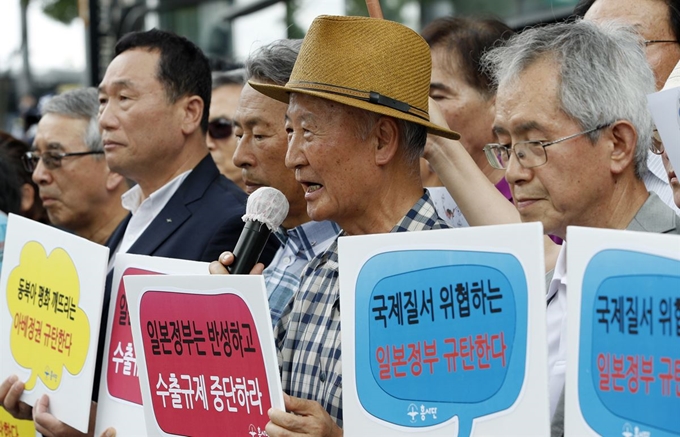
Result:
pixel 357 123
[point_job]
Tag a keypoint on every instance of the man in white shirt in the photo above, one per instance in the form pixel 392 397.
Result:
pixel 153 114
pixel 573 132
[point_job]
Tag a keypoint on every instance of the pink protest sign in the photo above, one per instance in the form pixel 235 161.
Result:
pixel 120 398
pixel 121 375
pixel 209 366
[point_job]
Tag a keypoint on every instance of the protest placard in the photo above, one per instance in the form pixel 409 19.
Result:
pixel 665 108
pixel 205 353
pixel 443 332
pixel 120 397
pixel 623 353
pixel 52 286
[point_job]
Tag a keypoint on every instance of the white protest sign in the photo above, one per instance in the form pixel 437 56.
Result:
pixel 623 338
pixel 444 332
pixel 205 352
pixel 665 108
pixel 52 288
pixel 120 397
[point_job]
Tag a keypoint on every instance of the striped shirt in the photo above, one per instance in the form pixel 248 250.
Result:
pixel 308 334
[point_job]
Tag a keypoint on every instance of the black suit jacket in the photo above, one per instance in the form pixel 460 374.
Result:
pixel 200 221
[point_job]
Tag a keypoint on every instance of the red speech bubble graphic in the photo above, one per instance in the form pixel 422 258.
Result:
pixel 204 362
pixel 121 375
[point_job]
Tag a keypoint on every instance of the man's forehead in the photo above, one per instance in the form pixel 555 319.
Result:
pixel 300 107
pixel 305 107
pixel 56 131
pixel 131 68
pixel 647 16
pixel 525 102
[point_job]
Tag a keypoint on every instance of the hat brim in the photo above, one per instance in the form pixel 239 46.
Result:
pixel 282 94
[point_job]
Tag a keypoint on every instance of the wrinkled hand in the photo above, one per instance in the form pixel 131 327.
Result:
pixel 219 267
pixel 10 392
pixel 50 426
pixel 305 418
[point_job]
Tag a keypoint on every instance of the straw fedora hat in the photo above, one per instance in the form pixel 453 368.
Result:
pixel 368 63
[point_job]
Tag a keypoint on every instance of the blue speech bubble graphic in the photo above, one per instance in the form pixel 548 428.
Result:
pixel 440 334
pixel 629 348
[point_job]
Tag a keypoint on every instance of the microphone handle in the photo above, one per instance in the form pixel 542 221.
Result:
pixel 250 244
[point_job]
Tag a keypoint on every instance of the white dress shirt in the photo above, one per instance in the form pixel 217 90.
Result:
pixel 145 210
pixel 557 329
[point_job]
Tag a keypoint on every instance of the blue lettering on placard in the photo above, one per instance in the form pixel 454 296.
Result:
pixel 629 351
pixel 446 336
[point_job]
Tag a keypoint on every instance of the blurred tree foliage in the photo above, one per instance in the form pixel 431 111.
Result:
pixel 294 31
pixel 63 11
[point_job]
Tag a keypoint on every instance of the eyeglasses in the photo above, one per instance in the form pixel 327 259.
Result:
pixel 529 153
pixel 51 159
pixel 657 145
pixel 220 128
pixel 658 41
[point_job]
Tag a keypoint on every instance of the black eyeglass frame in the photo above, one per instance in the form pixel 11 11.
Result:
pixel 220 123
pixel 658 41
pixel 493 159
pixel 657 145
pixel 30 159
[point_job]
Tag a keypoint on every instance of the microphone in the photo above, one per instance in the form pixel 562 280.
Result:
pixel 266 209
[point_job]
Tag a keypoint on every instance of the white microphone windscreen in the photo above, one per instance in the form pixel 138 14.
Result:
pixel 267 205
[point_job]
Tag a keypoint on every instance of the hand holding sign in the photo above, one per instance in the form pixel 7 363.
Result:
pixel 301 416
pixel 10 392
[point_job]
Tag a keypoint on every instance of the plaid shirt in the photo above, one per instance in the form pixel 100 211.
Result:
pixel 298 246
pixel 308 334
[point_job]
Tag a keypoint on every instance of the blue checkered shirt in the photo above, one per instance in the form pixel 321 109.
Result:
pixel 298 246
pixel 308 334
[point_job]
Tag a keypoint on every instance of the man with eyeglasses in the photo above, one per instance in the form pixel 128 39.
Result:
pixel 226 89
pixel 573 133
pixel 658 23
pixel 79 192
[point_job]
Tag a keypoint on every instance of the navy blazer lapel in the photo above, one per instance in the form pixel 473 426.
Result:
pixel 176 211
pixel 117 236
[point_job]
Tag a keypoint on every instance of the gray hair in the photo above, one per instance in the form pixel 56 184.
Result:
pixel 412 136
pixel 80 103
pixel 231 77
pixel 604 74
pixel 274 62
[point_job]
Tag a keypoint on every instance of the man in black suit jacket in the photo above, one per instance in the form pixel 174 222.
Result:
pixel 153 114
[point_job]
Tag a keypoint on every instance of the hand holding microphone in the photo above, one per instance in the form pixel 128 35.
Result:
pixel 266 209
